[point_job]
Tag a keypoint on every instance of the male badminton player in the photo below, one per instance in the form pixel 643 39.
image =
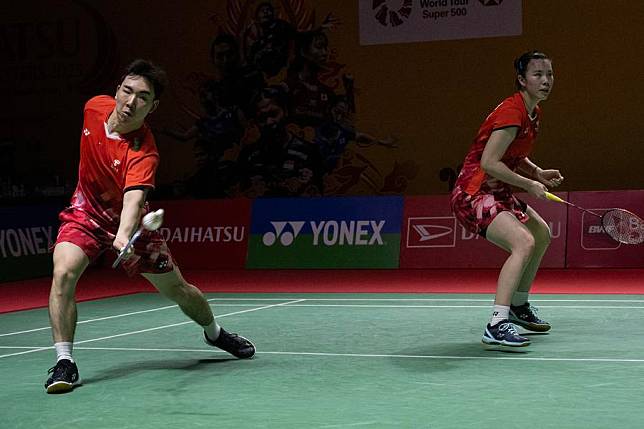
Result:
pixel 118 161
pixel 483 202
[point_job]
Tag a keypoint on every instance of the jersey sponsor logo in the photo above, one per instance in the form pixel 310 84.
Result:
pixel 86 132
pixel 327 232
pixel 436 231
pixel 115 164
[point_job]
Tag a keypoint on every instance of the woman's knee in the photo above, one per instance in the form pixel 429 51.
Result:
pixel 524 244
pixel 542 235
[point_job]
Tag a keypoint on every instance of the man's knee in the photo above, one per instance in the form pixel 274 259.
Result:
pixel 64 280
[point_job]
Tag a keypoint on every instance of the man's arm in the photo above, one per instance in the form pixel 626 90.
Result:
pixel 133 201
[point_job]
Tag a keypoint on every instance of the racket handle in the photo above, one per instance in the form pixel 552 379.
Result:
pixel 126 248
pixel 553 197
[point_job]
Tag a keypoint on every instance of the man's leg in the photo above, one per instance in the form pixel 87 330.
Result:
pixel 194 305
pixel 69 263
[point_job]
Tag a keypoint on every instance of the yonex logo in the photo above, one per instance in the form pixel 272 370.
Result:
pixel 392 12
pixel 285 237
pixel 86 132
pixel 328 233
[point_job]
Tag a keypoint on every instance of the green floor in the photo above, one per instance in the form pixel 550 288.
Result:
pixel 331 361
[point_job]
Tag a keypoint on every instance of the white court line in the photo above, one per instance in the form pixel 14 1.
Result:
pixel 98 319
pixel 423 299
pixel 152 329
pixel 444 306
pixel 371 355
pixel 580 307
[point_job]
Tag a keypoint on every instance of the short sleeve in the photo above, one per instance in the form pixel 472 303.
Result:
pixel 505 117
pixel 141 171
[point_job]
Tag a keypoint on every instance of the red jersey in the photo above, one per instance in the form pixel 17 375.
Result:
pixel 111 164
pixel 510 113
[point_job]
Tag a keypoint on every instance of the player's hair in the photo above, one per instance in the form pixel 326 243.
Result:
pixel 521 64
pixel 151 72
pixel 226 38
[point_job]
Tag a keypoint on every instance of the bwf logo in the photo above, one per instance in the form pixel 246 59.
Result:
pixel 392 12
pixel 593 235
pixel 327 233
pixel 424 232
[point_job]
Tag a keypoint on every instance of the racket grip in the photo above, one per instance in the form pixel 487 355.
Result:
pixel 553 197
pixel 126 248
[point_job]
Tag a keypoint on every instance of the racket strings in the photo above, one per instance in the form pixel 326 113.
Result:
pixel 624 226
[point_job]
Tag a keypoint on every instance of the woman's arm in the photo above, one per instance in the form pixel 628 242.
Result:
pixel 491 163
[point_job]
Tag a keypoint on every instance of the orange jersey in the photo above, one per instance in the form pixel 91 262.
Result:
pixel 510 113
pixel 111 164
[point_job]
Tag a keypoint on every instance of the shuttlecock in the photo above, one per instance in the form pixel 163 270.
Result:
pixel 153 220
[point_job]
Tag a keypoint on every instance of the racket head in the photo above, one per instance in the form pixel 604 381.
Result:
pixel 623 226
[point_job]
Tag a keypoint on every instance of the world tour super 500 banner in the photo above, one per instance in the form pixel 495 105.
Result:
pixel 360 232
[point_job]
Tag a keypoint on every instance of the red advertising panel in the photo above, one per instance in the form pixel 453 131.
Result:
pixel 206 234
pixel 588 244
pixel 432 238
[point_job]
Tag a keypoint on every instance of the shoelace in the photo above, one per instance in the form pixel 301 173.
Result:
pixel 57 371
pixel 235 338
pixel 509 327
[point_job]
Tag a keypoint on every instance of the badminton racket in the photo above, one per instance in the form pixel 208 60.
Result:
pixel 620 224
pixel 151 222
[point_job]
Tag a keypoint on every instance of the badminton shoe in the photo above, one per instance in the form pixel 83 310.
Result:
pixel 526 316
pixel 64 377
pixel 234 344
pixel 504 334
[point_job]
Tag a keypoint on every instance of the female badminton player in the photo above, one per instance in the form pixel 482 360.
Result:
pixel 483 202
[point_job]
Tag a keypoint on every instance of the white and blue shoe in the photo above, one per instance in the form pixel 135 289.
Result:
pixel 504 334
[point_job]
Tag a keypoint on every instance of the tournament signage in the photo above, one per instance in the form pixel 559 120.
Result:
pixel 402 21
pixel 26 236
pixel 206 234
pixel 432 238
pixel 588 244
pixel 361 232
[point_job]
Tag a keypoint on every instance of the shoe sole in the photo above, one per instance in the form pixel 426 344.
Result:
pixel 61 387
pixel 489 342
pixel 531 326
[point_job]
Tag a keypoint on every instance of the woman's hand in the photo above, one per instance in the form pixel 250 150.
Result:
pixel 550 178
pixel 537 189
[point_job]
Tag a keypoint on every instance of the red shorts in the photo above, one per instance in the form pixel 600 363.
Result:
pixel 151 253
pixel 476 212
